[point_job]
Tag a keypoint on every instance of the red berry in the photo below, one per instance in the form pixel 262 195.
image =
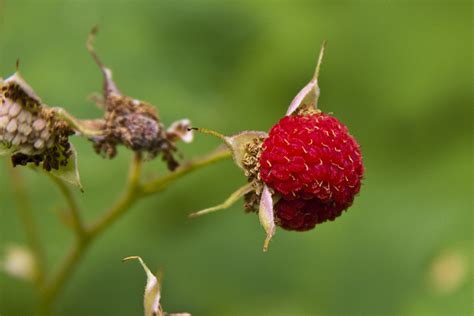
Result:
pixel 302 215
pixel 311 157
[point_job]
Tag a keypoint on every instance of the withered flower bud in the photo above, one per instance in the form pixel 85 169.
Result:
pixel 134 123
pixel 29 130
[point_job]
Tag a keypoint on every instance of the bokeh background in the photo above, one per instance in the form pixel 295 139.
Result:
pixel 398 73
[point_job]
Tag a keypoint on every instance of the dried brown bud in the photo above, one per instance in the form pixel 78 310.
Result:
pixel 134 123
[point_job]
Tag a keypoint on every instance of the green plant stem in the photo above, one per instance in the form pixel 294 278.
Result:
pixel 57 281
pixel 28 222
pixel 133 192
pixel 126 200
pixel 85 127
pixel 74 211
pixel 161 183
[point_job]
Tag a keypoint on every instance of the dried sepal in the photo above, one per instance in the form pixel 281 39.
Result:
pixel 152 295
pixel 244 146
pixel 266 215
pixel 109 85
pixel 70 172
pixel 234 197
pixel 133 123
pixel 306 101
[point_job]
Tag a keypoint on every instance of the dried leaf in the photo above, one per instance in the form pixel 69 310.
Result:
pixel 152 296
pixel 234 197
pixel 307 98
pixel 266 216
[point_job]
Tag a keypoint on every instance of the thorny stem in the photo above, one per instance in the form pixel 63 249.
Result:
pixel 29 224
pixel 133 192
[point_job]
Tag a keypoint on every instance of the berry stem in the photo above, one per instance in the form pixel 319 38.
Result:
pixel 161 183
pixel 209 132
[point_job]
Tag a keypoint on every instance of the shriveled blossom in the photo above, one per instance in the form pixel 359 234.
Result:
pixel 133 123
pixel 306 171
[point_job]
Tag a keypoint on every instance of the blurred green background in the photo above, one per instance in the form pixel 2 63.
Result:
pixel 398 74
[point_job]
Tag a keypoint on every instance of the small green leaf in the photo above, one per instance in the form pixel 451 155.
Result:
pixel 152 296
pixel 70 172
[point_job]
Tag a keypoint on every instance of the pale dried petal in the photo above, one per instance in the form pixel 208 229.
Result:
pixel 180 130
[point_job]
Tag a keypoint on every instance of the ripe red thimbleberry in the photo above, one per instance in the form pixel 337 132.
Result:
pixel 315 165
pixel 305 171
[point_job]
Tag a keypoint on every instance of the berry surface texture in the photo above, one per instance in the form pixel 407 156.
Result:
pixel 315 165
